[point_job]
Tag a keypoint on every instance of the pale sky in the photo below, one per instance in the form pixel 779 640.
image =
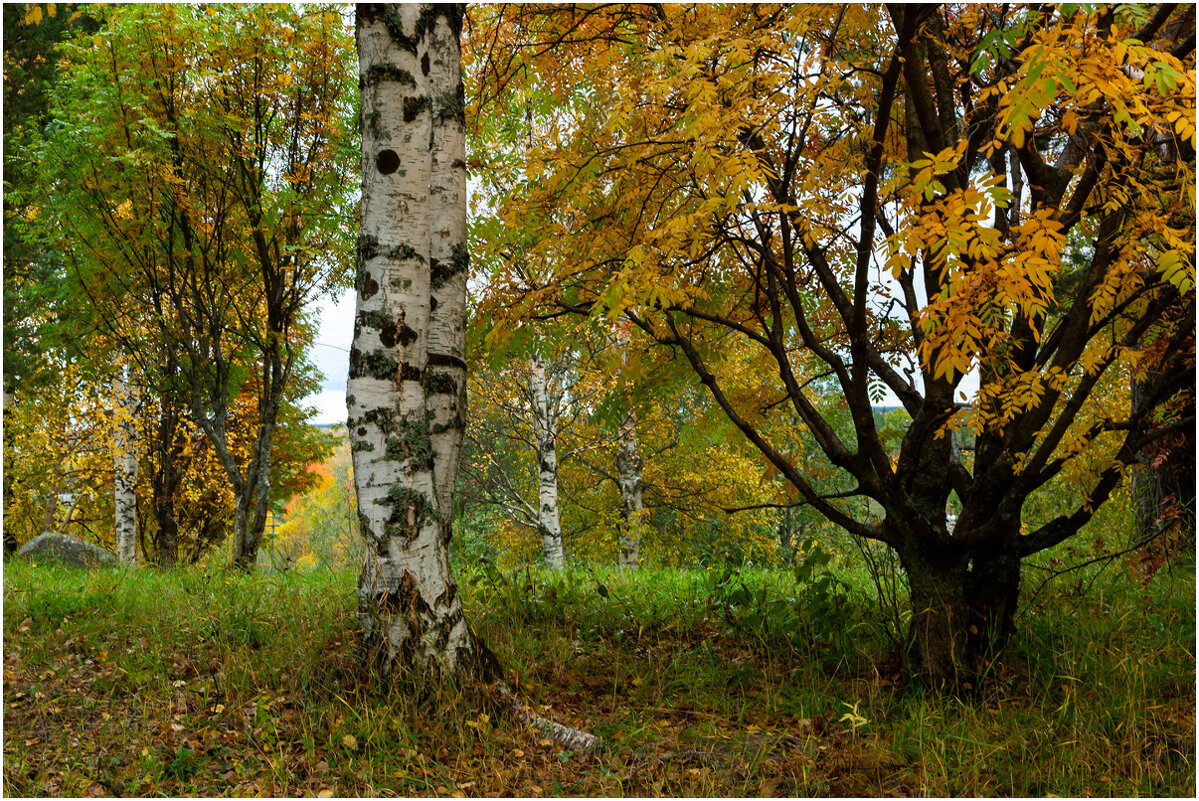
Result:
pixel 331 354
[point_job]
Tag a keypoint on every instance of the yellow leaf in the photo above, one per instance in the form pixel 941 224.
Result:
pixel 350 742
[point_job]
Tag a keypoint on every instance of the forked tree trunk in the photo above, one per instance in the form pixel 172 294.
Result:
pixel 241 527
pixel 962 613
pixel 164 484
pixel 125 464
pixel 166 546
pixel 545 426
pixel 254 502
pixel 406 385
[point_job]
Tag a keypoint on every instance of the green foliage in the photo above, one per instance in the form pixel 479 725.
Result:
pixel 817 618
pixel 190 185
pixel 320 528
pixel 33 300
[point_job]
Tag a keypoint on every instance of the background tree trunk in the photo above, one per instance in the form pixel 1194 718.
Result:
pixel 632 508
pixel 125 464
pixel 1162 480
pixel 164 484
pixel 407 371
pixel 628 469
pixel 545 427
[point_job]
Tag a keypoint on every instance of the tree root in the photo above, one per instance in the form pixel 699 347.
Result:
pixel 491 672
pixel 570 738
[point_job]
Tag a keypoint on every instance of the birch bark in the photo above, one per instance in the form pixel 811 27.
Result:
pixel 125 464
pixel 628 473
pixel 545 429
pixel 406 387
pixel 632 508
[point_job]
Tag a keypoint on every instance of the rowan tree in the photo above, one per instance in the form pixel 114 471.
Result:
pixel 887 198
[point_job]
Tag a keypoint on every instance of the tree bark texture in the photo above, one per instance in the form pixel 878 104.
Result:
pixel 628 472
pixel 545 427
pixel 963 605
pixel 632 508
pixel 1162 481
pixel 124 483
pixel 164 484
pixel 406 392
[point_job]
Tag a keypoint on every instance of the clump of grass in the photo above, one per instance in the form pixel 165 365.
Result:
pixel 702 682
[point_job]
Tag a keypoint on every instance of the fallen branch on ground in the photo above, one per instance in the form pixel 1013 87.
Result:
pixel 566 736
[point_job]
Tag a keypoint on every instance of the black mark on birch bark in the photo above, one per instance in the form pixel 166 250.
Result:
pixel 388 161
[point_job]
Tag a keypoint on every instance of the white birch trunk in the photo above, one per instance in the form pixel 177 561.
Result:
pixel 632 509
pixel 628 474
pixel 125 464
pixel 406 382
pixel 449 262
pixel 545 427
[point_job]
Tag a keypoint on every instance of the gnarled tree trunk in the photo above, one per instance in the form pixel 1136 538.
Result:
pixel 406 392
pixel 164 483
pixel 963 602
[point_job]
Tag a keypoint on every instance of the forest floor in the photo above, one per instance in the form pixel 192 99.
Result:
pixel 701 683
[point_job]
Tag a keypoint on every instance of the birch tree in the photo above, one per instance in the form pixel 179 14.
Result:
pixel 406 388
pixel 545 427
pixel 632 505
pixel 125 463
pixel 529 407
pixel 628 472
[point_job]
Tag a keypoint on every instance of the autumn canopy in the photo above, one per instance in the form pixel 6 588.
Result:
pixel 902 202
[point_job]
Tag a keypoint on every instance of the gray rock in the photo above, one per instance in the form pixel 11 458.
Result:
pixel 67 550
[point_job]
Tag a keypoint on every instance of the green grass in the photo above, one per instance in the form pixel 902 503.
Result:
pixel 702 683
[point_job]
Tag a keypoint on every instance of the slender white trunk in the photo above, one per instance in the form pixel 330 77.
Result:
pixel 545 427
pixel 406 387
pixel 125 463
pixel 628 474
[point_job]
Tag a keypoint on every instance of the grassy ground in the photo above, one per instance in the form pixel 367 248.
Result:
pixel 702 683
